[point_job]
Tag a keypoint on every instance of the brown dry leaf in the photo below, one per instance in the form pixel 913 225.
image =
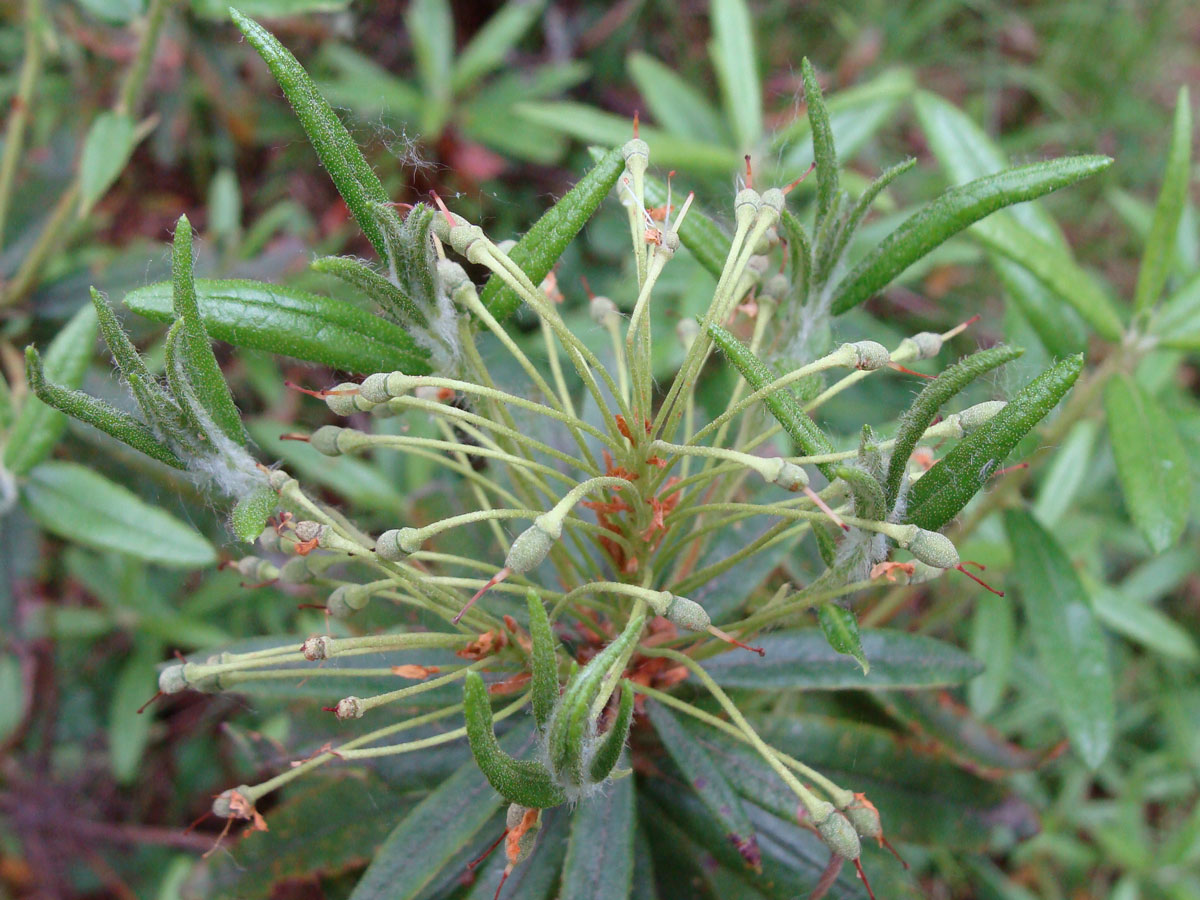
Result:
pixel 420 673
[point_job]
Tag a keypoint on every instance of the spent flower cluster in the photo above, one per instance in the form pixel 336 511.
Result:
pixel 599 491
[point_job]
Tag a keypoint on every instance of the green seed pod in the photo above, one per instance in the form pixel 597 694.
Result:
pixel 870 355
pixel 687 614
pixel 341 400
pixel 613 742
pixel 934 549
pixel 790 477
pixel 545 660
pixel 839 835
pixel 325 440
pixel 171 679
pixel 945 489
pixel 388 546
pixel 865 819
pixel 374 388
pixel 603 311
pixel 636 154
pixel 268 539
pixel 519 781
pixel 347 599
pixel 745 206
pixel 316 648
pixel 529 549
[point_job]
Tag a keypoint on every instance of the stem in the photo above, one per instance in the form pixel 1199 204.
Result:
pixel 14 134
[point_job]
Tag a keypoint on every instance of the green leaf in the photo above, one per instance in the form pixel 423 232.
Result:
pixel 12 695
pixel 494 41
pixel 824 152
pixel 430 25
pixel 1160 244
pixel 395 302
pixel 938 495
pixel 200 365
pixel 355 180
pixel 98 413
pixel 434 834
pixel 993 635
pixel 1177 324
pixel 595 127
pixel 523 781
pixel 840 628
pixel 942 723
pixel 544 685
pixel 1151 464
pixel 325 827
pixel 1141 623
pixel 538 251
pixel 674 103
pixel 953 211
pixel 1054 268
pixel 251 513
pixel 128 732
pixel 1070 643
pixel 1065 474
pixel 106 150
pixel 38 426
pixel 705 778
pixel 80 505
pixel 919 416
pixel 782 404
pixel 736 62
pixel 537 877
pixel 965 152
pixel 290 322
pixel 803 659
pixel 599 862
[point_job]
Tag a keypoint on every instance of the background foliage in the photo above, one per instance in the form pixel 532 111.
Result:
pixel 95 594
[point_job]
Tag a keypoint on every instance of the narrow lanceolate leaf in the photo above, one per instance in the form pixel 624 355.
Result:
pixel 612 744
pixel 96 413
pixel 863 204
pixel 840 628
pixel 38 426
pixel 824 152
pixel 700 234
pixel 736 62
pixel 705 778
pixel 867 492
pixel 599 862
pixel 674 102
pixel 250 514
pixel 940 722
pixel 993 635
pixel 782 403
pixel 952 212
pixel 944 490
pixel 203 371
pixel 1055 269
pixel 1151 463
pixel 1177 323
pixel 128 732
pixel 1069 641
pixel 355 180
pixel 430 25
pixel 538 251
pixel 918 416
pixel 106 149
pixel 294 323
pixel 544 684
pixel 523 781
pixel 1160 244
pixel 82 506
pixel 804 659
pixel 435 834
pixel 393 301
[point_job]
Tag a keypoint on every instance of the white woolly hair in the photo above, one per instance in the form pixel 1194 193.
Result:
pixel 226 465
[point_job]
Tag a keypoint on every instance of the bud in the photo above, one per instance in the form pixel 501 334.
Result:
pixel 374 388
pixel 928 344
pixel 838 834
pixel 346 600
pixel 530 548
pixel 316 648
pixel 392 545
pixel 171 680
pixel 342 400
pixel 745 206
pixel 349 708
pixel 686 614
